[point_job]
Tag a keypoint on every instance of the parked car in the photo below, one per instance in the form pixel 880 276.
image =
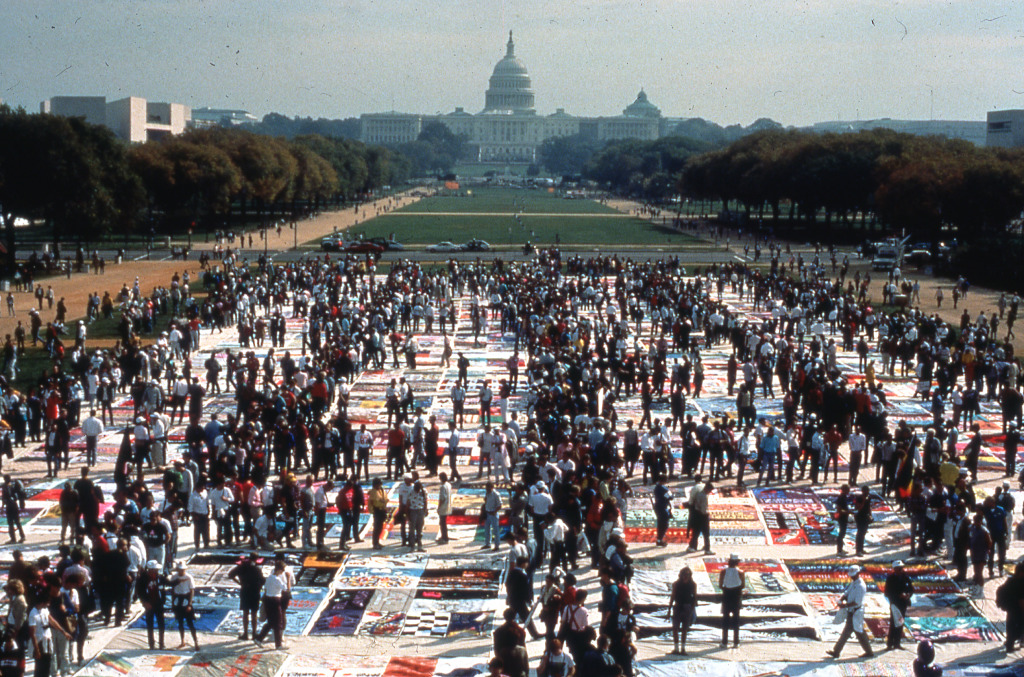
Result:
pixel 475 245
pixel 389 245
pixel 445 246
pixel 331 243
pixel 919 256
pixel 363 247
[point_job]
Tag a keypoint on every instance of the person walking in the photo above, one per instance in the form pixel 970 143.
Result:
pixel 851 606
pixel 276 594
pixel 732 582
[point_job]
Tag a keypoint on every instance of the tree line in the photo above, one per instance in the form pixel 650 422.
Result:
pixel 79 178
pixel 927 186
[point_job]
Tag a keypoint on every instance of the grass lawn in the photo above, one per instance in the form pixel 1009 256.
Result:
pixel 498 230
pixel 492 199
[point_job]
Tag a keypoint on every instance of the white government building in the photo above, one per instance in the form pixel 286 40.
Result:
pixel 132 119
pixel 508 128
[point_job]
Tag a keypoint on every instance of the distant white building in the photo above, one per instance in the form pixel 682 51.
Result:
pixel 966 130
pixel 508 129
pixel 221 117
pixel 1005 129
pixel 132 119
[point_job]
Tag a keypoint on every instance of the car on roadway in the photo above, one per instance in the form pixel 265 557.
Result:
pixel 476 246
pixel 331 243
pixel 389 245
pixel 445 246
pixel 363 247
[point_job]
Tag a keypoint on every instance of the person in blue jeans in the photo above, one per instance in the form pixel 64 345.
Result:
pixel 492 509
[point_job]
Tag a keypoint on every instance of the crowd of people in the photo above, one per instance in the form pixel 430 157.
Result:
pixel 586 335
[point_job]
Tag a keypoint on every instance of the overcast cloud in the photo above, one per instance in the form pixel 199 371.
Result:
pixel 731 61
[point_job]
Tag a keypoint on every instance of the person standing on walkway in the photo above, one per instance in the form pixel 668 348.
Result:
pixel 492 510
pixel 662 510
pixel 842 517
pixel 898 590
pixel 249 577
pixel 732 581
pixel 92 428
pixel 862 516
pixel 699 519
pixel 417 516
pixel 682 608
pixel 852 604
pixel 444 507
pixel 378 503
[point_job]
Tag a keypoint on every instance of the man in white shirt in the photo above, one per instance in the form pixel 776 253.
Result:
pixel 321 503
pixel 199 509
pixel 222 501
pixel 453 450
pixel 40 630
pixel 363 444
pixel 444 507
pixel 858 446
pixel 853 602
pixel 554 537
pixel 92 428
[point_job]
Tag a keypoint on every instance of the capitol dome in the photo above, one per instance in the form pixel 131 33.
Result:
pixel 509 88
pixel 642 108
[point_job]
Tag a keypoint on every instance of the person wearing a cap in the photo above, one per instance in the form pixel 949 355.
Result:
pixel 852 601
pixel 732 581
pixel 183 590
pixel 898 590
pixel 150 591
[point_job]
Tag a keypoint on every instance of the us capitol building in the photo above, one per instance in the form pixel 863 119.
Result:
pixel 508 129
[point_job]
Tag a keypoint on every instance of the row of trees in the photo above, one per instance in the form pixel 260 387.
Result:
pixel 79 178
pixel 921 184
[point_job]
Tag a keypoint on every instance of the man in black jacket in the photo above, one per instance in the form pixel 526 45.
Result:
pixel 898 590
pixel 519 589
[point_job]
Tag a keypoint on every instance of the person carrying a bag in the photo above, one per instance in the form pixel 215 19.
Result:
pixel 851 613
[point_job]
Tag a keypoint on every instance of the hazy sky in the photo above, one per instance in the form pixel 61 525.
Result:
pixel 731 61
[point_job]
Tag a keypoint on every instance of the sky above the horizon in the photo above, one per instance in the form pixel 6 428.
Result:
pixel 729 61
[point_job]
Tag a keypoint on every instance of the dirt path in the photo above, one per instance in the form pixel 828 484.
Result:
pixel 76 289
pixel 319 226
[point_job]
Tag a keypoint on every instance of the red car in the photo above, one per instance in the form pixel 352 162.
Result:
pixel 358 247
